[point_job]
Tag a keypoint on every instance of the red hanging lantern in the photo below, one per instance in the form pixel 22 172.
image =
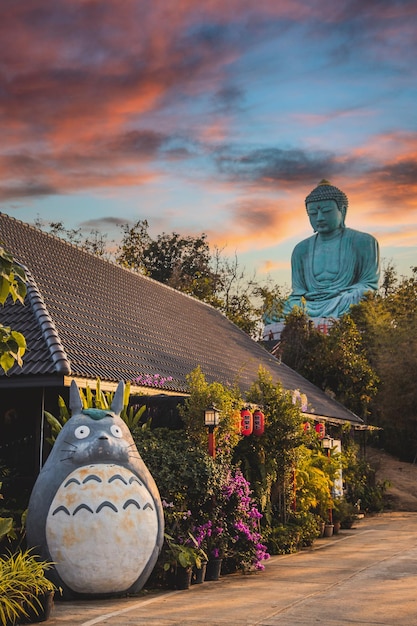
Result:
pixel 320 430
pixel 246 424
pixel 306 427
pixel 258 423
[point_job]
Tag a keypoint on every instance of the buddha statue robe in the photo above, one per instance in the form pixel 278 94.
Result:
pixel 353 262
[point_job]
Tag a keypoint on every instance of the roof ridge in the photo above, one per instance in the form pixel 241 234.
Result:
pixel 47 326
pixel 110 262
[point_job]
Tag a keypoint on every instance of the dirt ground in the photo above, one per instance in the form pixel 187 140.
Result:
pixel 402 493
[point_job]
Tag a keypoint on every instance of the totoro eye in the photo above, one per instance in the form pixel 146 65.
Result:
pixel 82 432
pixel 116 431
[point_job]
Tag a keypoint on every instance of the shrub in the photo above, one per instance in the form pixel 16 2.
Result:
pixel 308 525
pixel 283 539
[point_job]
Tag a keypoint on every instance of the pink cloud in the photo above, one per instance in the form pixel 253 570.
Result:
pixel 257 223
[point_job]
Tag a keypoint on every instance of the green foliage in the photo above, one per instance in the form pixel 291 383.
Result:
pixel 202 394
pixel 56 424
pixel 368 359
pixel 349 374
pixel 315 473
pixel 337 362
pixel 301 530
pixel 12 348
pixel 95 242
pixel 362 487
pixel 178 261
pixel 308 525
pixel 7 528
pixel 184 472
pixel 388 324
pixel 272 301
pixel 283 539
pixel 13 284
pixel 182 554
pixel 12 278
pixel 267 460
pixel 344 512
pixel 301 343
pixel 97 400
pixel 206 497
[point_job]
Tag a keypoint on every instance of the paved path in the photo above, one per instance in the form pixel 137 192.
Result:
pixel 364 576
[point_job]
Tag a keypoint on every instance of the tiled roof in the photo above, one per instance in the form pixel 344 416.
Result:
pixel 89 318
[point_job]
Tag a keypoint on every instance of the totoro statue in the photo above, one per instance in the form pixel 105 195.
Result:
pixel 95 509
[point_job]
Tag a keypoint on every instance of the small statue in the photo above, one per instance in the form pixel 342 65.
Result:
pixel 335 267
pixel 95 509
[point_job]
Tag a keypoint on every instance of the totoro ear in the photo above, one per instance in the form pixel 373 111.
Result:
pixel 75 402
pixel 117 403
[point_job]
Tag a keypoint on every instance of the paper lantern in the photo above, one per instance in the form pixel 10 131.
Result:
pixel 246 424
pixel 258 423
pixel 320 430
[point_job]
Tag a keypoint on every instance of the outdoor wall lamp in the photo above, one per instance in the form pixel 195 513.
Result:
pixel 327 443
pixel 211 420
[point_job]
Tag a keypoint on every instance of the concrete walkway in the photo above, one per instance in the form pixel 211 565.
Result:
pixel 363 576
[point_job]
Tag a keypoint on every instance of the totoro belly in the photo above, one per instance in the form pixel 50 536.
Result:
pixel 101 529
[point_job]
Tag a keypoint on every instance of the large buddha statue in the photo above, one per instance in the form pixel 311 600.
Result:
pixel 335 267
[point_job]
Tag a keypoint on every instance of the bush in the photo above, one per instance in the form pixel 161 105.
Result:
pixel 308 525
pixel 283 539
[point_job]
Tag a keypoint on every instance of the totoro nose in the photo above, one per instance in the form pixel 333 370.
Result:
pixel 103 437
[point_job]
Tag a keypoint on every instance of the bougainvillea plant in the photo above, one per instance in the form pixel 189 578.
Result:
pixel 152 380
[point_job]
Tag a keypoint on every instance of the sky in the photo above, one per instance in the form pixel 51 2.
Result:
pixel 212 116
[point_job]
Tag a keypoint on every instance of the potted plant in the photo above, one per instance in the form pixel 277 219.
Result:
pixel 215 538
pixel 345 513
pixel 26 595
pixel 180 559
pixel 338 513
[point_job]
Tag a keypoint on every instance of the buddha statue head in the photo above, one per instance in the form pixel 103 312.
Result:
pixel 325 192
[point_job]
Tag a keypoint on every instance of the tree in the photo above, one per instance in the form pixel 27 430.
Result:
pixel 388 324
pixel 95 242
pixel 302 345
pixel 346 367
pixel 268 460
pixel 13 284
pixel 187 264
pixel 336 362
pixel 180 262
pixel 131 251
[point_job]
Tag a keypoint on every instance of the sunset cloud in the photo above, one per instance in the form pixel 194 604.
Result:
pixel 214 117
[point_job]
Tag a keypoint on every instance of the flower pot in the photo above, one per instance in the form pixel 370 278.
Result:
pixel 213 570
pixel 336 527
pixel 328 530
pixel 43 609
pixel 199 574
pixel 183 577
pixel 347 523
